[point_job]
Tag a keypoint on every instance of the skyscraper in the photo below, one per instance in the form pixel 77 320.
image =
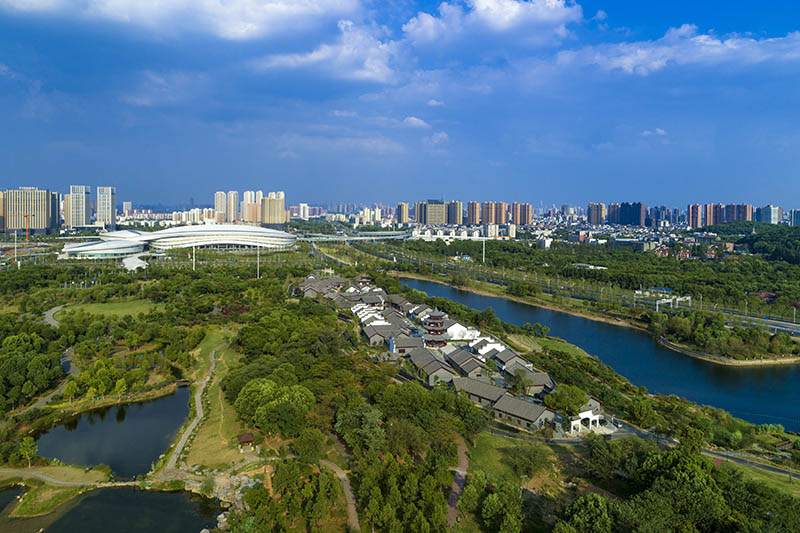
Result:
pixel 473 213
pixel 455 213
pixel 632 214
pixel 613 213
pixel 771 214
pixel 221 205
pixel 31 209
pixel 435 213
pixel 487 212
pixel 232 207
pixel 107 207
pixel 795 217
pixel 708 215
pixel 78 206
pixel 719 214
pixel 402 213
pixel 2 212
pixel 273 210
pixel 596 213
pixel 694 216
pixel 501 213
pixel 127 208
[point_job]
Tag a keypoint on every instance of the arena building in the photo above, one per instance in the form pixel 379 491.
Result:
pixel 128 242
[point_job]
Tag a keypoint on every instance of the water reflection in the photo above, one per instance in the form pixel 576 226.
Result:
pixel 127 438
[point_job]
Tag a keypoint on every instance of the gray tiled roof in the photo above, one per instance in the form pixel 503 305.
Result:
pixel 521 409
pixel 478 388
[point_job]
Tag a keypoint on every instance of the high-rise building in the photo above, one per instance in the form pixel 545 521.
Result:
pixel 694 216
pixel 455 213
pixel 31 209
pixel 473 213
pixel 232 207
pixel 78 206
pixel 2 212
pixel 304 211
pixel 771 214
pixel 259 197
pixel 744 212
pixel 435 213
pixel 632 214
pixel 501 212
pixel 221 204
pixel 249 197
pixel 488 213
pixel 521 214
pixel 730 212
pixel 719 214
pixel 795 217
pixel 273 209
pixel 402 213
pixel 613 213
pixel 596 213
pixel 127 208
pixel 708 215
pixel 107 207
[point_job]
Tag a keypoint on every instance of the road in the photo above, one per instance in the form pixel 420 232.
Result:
pixel 352 513
pixel 458 482
pixel 198 403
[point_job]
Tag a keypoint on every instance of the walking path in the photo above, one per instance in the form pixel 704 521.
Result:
pixel 458 482
pixel 198 403
pixel 352 514
pixel 43 477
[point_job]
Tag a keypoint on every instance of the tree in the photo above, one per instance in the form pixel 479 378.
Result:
pixel 91 393
pixel 28 449
pixel 528 459
pixel 588 513
pixel 71 390
pixel 120 387
pixel 566 399
pixel 308 445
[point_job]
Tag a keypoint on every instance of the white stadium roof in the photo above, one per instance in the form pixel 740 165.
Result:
pixel 126 242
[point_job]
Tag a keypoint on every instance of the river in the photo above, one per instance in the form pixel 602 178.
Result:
pixel 127 438
pixel 763 394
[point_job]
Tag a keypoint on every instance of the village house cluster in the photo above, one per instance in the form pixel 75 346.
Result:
pixel 432 347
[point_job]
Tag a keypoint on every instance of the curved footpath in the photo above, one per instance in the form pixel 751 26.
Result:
pixel 198 402
pixel 43 477
pixel 352 514
pixel 458 482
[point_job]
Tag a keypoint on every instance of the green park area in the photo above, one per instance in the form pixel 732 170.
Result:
pixel 45 495
pixel 133 307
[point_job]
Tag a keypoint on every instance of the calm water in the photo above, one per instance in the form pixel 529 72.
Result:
pixel 127 438
pixel 124 510
pixel 7 496
pixel 768 394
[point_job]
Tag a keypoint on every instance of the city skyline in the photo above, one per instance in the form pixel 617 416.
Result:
pixel 341 101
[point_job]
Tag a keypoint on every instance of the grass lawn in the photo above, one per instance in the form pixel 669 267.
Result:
pixel 43 500
pixel 61 473
pixel 214 337
pixel 488 456
pixel 214 444
pixel 556 344
pixel 134 307
pixel 774 481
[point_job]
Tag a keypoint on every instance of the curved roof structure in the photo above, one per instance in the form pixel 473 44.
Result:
pixel 127 242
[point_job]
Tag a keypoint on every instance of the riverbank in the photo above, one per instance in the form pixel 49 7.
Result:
pixel 711 358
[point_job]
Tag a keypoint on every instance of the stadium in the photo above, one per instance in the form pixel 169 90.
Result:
pixel 124 243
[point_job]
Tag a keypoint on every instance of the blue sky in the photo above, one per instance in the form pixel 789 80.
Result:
pixel 362 100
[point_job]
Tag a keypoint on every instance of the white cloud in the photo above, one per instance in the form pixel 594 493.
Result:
pixel 600 15
pixel 658 131
pixel 684 46
pixel 229 19
pixel 156 88
pixel 343 113
pixel 437 139
pixel 414 122
pixel 291 145
pixel 433 102
pixel 357 55
pixel 543 20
